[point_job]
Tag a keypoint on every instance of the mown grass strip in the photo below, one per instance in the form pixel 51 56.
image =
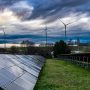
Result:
pixel 62 75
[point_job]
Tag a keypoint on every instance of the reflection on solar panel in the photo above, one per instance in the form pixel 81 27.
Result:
pixel 19 72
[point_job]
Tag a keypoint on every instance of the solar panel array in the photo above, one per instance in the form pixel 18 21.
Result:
pixel 19 72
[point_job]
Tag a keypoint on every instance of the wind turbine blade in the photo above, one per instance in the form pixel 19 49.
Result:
pixel 63 22
pixel 70 22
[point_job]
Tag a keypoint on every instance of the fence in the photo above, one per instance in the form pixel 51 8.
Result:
pixel 82 60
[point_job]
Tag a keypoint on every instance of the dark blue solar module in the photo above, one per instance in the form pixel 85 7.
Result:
pixel 19 72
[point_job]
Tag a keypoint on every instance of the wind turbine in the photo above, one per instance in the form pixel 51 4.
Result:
pixel 4 38
pixel 65 26
pixel 4 34
pixel 2 25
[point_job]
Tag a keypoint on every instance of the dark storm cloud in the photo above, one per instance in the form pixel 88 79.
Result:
pixel 50 7
pixel 43 8
pixel 24 13
pixel 7 3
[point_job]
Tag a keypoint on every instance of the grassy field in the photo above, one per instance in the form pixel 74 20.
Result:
pixel 61 75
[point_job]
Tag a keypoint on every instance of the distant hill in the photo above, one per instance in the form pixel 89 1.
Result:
pixel 38 39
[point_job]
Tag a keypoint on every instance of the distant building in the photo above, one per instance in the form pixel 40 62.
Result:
pixel 72 42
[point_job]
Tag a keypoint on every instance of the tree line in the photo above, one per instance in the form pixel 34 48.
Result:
pixel 60 47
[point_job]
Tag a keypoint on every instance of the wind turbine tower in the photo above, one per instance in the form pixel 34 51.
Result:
pixel 46 34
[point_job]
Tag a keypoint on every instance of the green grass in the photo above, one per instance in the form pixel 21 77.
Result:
pixel 61 75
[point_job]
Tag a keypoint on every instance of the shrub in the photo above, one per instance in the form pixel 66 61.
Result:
pixel 14 50
pixel 61 48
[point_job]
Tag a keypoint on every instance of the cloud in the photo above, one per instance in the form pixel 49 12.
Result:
pixel 23 9
pixel 7 3
pixel 31 9
pixel 46 8
pixel 8 17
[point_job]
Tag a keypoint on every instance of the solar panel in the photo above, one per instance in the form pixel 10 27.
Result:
pixel 19 72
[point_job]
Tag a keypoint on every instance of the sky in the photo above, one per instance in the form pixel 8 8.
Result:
pixel 27 19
